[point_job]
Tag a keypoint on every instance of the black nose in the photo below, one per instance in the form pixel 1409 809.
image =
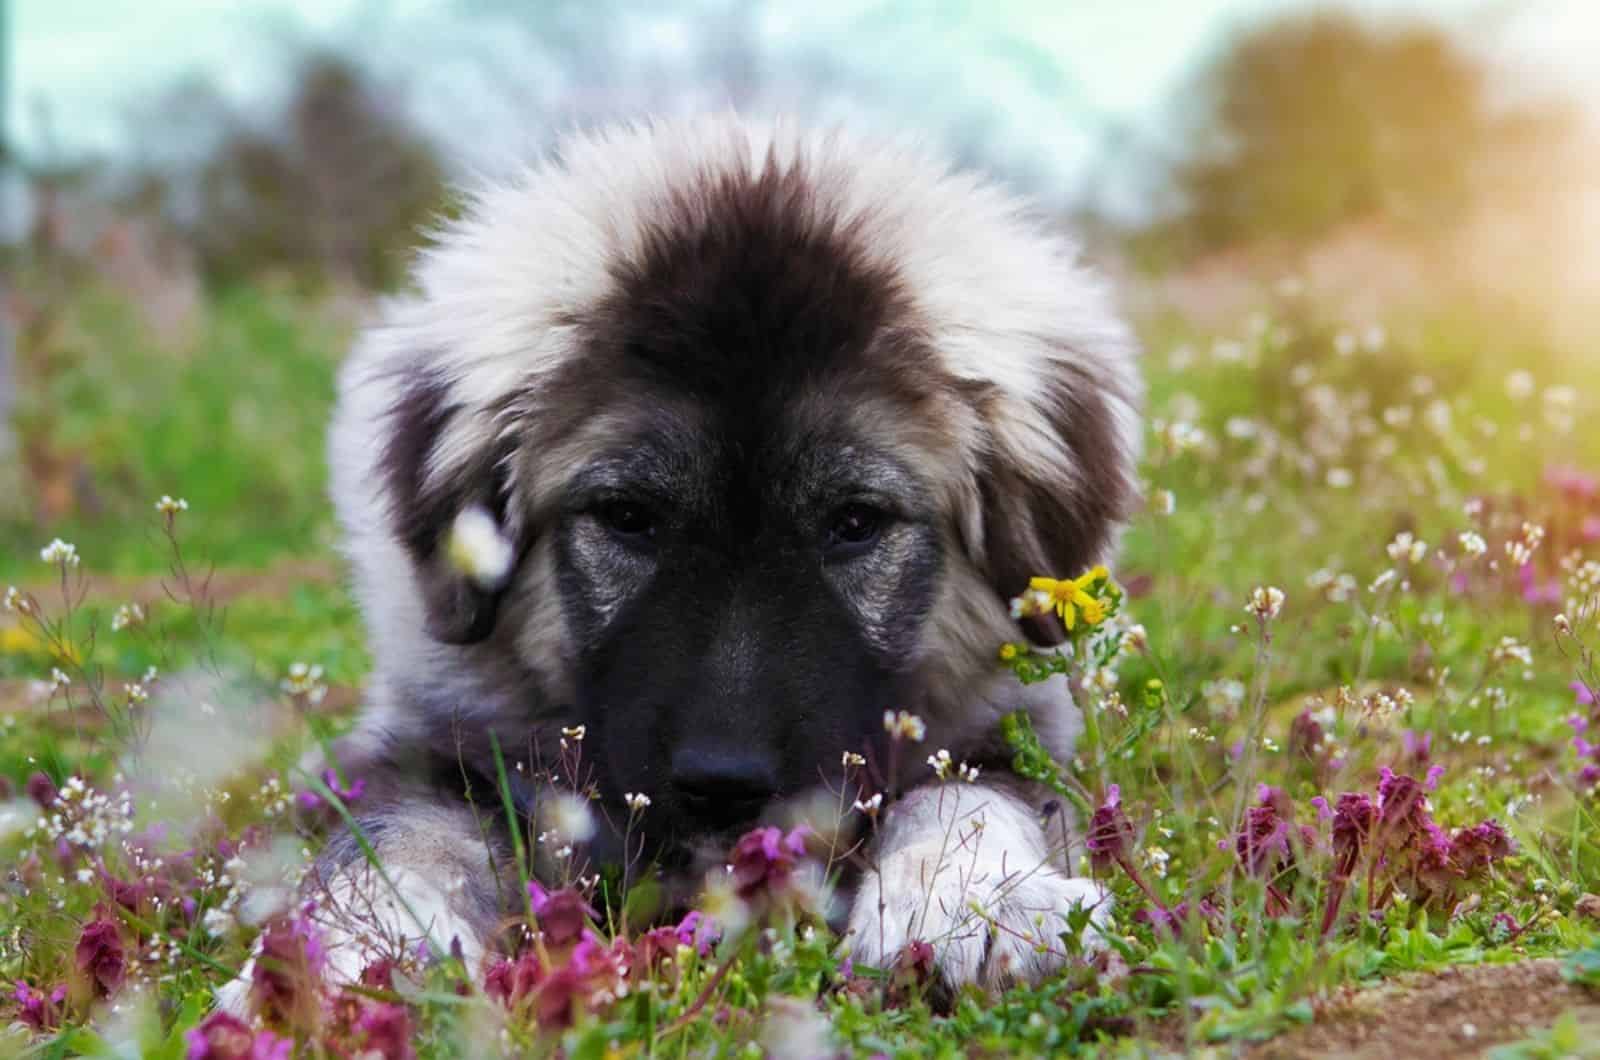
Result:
pixel 723 787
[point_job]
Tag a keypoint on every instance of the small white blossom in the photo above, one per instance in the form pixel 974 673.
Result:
pixel 305 679
pixel 1472 543
pixel 637 801
pixel 571 818
pixel 852 759
pixel 940 763
pixel 968 773
pixel 15 601
pixel 60 553
pixel 478 549
pixel 128 615
pixel 871 806
pixel 903 725
pixel 1265 602
pixel 1407 548
pixel 575 733
pixel 59 681
pixel 170 506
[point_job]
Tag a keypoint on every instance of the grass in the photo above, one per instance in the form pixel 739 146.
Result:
pixel 1293 455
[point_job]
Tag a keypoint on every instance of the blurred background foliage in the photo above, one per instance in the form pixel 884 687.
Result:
pixel 179 305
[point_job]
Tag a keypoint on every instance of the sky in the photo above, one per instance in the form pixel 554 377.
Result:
pixel 80 67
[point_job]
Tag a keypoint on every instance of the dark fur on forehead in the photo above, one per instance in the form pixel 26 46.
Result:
pixel 416 418
pixel 744 293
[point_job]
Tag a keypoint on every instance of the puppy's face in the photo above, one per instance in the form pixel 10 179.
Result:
pixel 745 563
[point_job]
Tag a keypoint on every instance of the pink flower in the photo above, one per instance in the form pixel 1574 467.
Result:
pixel 1575 484
pixel 562 915
pixel 1402 803
pixel 1110 832
pixel 100 957
pixel 39 1010
pixel 285 988
pixel 41 789
pixel 511 981
pixel 1475 849
pixel 1418 746
pixel 310 800
pixel 224 1037
pixel 384 1032
pixel 764 861
pixel 1585 695
pixel 1535 591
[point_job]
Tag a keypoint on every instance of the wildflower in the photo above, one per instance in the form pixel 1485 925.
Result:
pixel 1509 648
pixel 764 860
pixel 60 554
pixel 1472 543
pixel 940 763
pixel 1402 803
pixel 510 981
pixel 1306 736
pixel 1110 831
pixel 967 773
pixel 304 679
pixel 570 817
pixel 383 1032
pixel 1265 843
pixel 563 915
pixel 1585 695
pixel 59 681
pixel 221 1036
pixel 574 733
pixel 38 1010
pixel 1073 597
pixel 852 759
pixel 1478 847
pixel 1407 548
pixel 637 802
pixel 1563 624
pixel 310 800
pixel 1265 602
pixel 127 616
pixel 478 549
pixel 171 506
pixel 1163 502
pixel 15 601
pixel 1008 652
pixel 99 955
pixel 904 726
pixel 869 806
pixel 1520 385
pixel 286 977
pixel 1135 638
pixel 41 789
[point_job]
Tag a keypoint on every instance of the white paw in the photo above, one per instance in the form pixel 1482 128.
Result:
pixel 986 899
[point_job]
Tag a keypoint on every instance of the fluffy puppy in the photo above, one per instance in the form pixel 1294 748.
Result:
pixel 718 440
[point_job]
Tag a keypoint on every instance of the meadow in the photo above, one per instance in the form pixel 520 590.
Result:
pixel 1340 768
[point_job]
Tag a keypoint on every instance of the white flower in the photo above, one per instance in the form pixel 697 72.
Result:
pixel 478 549
pixel 1265 602
pixel 1340 478
pixel 904 726
pixel 60 553
pixel 1405 547
pixel 127 615
pixel 637 801
pixel 1135 638
pixel 1511 648
pixel 571 819
pixel 1563 625
pixel 15 601
pixel 852 759
pixel 170 506
pixel 1520 385
pixel 940 763
pixel 305 679
pixel 871 806
pixel 59 681
pixel 1163 502
pixel 968 773
pixel 217 922
pixel 575 733
pixel 1472 543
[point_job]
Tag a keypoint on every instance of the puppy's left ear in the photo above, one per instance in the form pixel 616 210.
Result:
pixel 1061 478
pixel 451 520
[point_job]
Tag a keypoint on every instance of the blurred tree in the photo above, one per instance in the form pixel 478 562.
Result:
pixel 1309 121
pixel 335 180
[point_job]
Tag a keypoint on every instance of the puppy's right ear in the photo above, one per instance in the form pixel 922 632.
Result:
pixel 450 520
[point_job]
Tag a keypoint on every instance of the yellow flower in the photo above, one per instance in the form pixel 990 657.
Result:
pixel 1008 652
pixel 1070 597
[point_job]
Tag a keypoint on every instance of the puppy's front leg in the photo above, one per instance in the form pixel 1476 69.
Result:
pixel 968 869
pixel 439 886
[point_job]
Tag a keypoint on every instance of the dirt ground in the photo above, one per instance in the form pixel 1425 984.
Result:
pixel 1456 1013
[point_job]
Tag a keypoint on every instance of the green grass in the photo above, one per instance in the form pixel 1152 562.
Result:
pixel 236 423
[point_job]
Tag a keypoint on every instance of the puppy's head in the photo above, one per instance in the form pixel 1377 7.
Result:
pixel 772 428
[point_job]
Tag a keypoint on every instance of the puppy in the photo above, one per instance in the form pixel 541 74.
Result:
pixel 696 449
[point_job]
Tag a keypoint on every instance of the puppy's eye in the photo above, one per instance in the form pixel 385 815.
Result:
pixel 854 529
pixel 627 519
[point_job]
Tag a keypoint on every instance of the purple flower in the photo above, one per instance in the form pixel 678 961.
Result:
pixel 562 915
pixel 1402 803
pixel 385 1032
pixel 1110 832
pixel 1418 747
pixel 39 1010
pixel 1475 849
pixel 41 789
pixel 100 957
pixel 285 989
pixel 225 1037
pixel 310 800
pixel 1535 591
pixel 512 980
pixel 1584 693
pixel 764 861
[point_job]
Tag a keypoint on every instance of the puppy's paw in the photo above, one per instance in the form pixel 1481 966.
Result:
pixel 985 926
